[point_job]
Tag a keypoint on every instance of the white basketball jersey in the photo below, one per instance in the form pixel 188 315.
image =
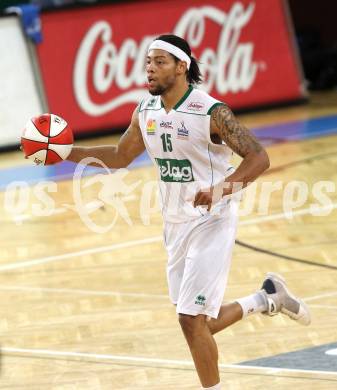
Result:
pixel 180 146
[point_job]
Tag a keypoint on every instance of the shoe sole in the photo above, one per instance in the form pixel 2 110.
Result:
pixel 304 317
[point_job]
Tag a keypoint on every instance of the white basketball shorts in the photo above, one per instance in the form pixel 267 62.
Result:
pixel 199 258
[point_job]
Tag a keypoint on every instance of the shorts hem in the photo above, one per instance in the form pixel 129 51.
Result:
pixel 207 313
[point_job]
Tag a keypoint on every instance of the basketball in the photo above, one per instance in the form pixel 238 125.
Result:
pixel 47 139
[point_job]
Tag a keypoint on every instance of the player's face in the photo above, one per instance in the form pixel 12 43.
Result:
pixel 161 71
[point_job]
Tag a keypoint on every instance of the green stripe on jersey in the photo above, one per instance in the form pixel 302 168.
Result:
pixel 214 106
pixel 186 95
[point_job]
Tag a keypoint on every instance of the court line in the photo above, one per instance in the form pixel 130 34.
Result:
pixel 326 295
pixel 133 295
pixel 285 257
pixel 298 162
pixel 274 217
pixel 331 375
pixel 149 240
pixel 82 292
pixel 101 249
pixel 324 306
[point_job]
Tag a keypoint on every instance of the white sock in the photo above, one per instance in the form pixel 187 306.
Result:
pixel 216 387
pixel 255 303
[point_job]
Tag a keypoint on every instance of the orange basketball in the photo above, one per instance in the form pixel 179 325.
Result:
pixel 47 139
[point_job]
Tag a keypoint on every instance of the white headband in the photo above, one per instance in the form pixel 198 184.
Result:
pixel 162 45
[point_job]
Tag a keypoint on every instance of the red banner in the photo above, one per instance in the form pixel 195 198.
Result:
pixel 93 59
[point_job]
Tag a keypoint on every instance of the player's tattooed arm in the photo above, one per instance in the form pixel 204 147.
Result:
pixel 241 141
pixel 237 137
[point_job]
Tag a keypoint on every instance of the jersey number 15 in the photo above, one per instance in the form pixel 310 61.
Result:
pixel 167 144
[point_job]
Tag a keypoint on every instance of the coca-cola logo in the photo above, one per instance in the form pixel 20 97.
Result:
pixel 227 68
pixel 195 106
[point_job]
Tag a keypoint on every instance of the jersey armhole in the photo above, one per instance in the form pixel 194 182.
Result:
pixel 209 112
pixel 139 106
pixel 217 104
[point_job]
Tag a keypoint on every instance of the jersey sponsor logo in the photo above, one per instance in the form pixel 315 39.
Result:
pixel 166 125
pixel 195 106
pixel 172 170
pixel 182 131
pixel 151 127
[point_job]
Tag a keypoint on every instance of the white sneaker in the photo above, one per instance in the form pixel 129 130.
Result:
pixel 280 299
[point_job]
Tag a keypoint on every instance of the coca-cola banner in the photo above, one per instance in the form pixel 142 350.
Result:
pixel 93 59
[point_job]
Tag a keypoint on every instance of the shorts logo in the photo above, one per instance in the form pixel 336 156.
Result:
pixel 172 170
pixel 166 125
pixel 151 127
pixel 200 300
pixel 195 106
pixel 182 131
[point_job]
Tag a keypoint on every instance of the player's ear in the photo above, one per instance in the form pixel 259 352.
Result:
pixel 181 67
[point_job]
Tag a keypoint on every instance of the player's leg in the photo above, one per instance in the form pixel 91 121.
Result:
pixel 229 314
pixel 200 341
pixel 273 298
pixel 232 312
pixel 203 348
pixel 204 281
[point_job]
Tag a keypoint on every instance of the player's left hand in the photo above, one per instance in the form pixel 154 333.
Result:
pixel 210 196
pixel 204 198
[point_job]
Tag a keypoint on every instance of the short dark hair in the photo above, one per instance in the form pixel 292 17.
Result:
pixel 193 75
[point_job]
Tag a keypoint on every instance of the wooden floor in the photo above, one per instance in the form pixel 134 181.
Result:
pixel 83 310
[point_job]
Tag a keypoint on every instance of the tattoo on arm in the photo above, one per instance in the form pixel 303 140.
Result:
pixel 236 136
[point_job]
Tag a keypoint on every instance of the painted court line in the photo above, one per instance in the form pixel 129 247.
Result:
pixel 330 307
pixel 101 249
pixel 274 217
pixel 331 375
pixel 326 295
pixel 82 292
pixel 149 240
pixel 133 295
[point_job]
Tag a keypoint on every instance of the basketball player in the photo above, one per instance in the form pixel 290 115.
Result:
pixel 190 137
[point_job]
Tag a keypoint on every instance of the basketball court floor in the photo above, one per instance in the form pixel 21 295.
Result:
pixel 84 301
